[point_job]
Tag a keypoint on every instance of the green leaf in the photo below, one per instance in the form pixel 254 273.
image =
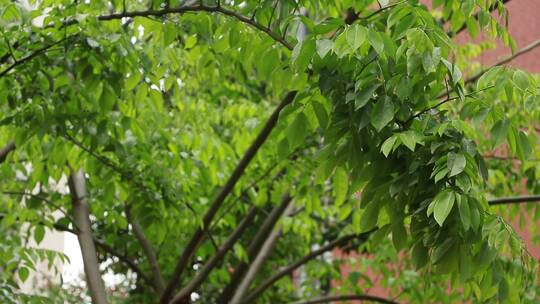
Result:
pixel 190 41
pixel 420 255
pixel 523 146
pixel 344 212
pixel 324 46
pixel 365 95
pixel 399 236
pixel 464 212
pixel 521 79
pixel 409 139
pixel 132 80
pixel 341 185
pixel 297 131
pixel 302 56
pixel 356 36
pixel 321 113
pixel 456 163
pixel 388 144
pixel 376 40
pixel 442 205
pixel 441 250
pixel 23 273
pixel 370 216
pixel 382 113
pixel 39 233
pixel 269 64
pixel 499 132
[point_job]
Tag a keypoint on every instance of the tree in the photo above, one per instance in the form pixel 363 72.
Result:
pixel 215 150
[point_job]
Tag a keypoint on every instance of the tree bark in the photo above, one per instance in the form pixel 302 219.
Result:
pixel 215 259
pixel 81 216
pixel 157 283
pixel 254 268
pixel 253 248
pixel 10 146
pixel 328 299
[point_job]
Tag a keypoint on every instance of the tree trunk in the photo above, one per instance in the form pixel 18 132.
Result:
pixel 81 216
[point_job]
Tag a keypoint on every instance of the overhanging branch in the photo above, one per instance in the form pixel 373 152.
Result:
pixel 505 60
pixel 514 200
pixel 289 269
pixel 361 297
pixel 10 146
pixel 198 8
pixel 36 53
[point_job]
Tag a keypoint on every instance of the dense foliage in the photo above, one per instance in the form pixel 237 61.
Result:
pixel 223 141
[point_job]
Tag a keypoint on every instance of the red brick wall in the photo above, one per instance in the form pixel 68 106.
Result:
pixel 524 26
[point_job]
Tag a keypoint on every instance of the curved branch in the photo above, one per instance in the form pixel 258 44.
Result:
pixel 39 197
pixel 443 102
pixel 514 200
pixel 327 299
pixel 199 8
pixel 260 259
pixel 158 282
pixel 289 269
pixel 505 60
pixel 10 146
pixel 157 13
pixel 199 235
pixel 36 53
pixel 253 248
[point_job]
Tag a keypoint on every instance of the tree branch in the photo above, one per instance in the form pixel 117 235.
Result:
pixel 289 269
pixel 253 248
pixel 443 102
pixel 327 299
pixel 183 295
pixel 81 218
pixel 505 60
pixel 10 146
pixel 352 16
pixel 39 197
pixel 158 282
pixel 259 260
pixel 198 236
pixel 123 258
pixel 157 13
pixel 198 8
pixel 32 56
pixel 514 200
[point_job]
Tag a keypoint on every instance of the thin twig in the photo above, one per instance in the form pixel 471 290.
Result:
pixel 31 56
pixel 505 60
pixel 443 102
pixel 197 8
pixel 39 197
